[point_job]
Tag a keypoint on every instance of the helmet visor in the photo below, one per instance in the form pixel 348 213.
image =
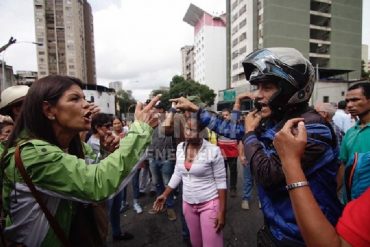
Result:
pixel 264 63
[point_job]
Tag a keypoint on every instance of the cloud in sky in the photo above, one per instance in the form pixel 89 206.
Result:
pixel 136 41
pixel 140 41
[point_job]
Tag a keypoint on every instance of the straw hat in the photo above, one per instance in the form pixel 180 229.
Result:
pixel 196 100
pixel 12 95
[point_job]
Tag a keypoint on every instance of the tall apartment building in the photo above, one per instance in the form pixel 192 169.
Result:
pixel 365 57
pixel 209 47
pixel 116 85
pixel 327 32
pixel 65 28
pixel 187 62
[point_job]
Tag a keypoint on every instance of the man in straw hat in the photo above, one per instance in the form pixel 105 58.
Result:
pixel 12 99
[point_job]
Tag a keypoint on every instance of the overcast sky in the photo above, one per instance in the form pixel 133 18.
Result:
pixel 136 41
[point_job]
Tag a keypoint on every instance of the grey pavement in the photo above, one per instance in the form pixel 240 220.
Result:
pixel 156 230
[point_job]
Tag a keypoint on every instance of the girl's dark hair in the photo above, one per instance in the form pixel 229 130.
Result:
pixel 99 120
pixel 32 118
pixel 119 118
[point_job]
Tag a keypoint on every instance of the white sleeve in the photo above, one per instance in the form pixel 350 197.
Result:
pixel 219 171
pixel 175 179
pixel 176 176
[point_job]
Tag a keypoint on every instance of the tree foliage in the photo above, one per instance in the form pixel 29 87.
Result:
pixel 125 100
pixel 181 87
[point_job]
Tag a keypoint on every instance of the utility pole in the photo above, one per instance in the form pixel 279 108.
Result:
pixel 3 48
pixel 10 42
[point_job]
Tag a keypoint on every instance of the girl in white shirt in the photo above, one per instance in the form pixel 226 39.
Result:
pixel 200 166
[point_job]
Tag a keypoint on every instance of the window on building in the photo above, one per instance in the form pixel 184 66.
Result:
pixel 242 50
pixel 243 10
pixel 325 99
pixel 235 42
pixel 343 93
pixel 242 23
pixel 242 37
pixel 234 5
pixel 234 17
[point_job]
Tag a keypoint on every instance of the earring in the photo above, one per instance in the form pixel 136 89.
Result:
pixel 51 118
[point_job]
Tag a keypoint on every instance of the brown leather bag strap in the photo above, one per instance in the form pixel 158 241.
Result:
pixel 53 223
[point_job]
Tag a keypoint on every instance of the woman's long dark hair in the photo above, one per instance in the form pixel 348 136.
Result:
pixel 32 118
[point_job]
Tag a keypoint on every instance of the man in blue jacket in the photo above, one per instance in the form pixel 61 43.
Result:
pixel 285 81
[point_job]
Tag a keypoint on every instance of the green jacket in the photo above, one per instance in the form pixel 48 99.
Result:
pixel 62 179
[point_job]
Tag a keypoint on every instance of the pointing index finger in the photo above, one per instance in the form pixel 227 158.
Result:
pixel 152 102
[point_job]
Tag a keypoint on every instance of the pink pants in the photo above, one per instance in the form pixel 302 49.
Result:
pixel 200 219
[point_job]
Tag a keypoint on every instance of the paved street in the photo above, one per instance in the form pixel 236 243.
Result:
pixel 156 230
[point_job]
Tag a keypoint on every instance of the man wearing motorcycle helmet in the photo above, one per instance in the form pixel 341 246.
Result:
pixel 285 81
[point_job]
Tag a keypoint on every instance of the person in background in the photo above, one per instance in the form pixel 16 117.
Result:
pixel 248 180
pixel 356 142
pixel 200 166
pixel 327 111
pixel 54 112
pixel 353 227
pixel 6 128
pixel 125 126
pixel 12 99
pixel 101 126
pixel 229 149
pixel 161 156
pixel 118 127
pixel 341 118
pixel 11 103
pixel 118 131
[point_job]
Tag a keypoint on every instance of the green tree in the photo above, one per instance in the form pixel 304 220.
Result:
pixel 125 100
pixel 181 87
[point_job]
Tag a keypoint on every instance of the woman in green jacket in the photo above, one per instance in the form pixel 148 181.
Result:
pixel 47 132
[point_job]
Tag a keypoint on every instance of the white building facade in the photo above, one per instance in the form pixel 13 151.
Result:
pixel 209 47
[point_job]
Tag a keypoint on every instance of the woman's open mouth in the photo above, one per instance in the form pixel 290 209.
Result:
pixel 88 116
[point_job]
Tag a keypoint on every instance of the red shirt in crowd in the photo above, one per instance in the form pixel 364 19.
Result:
pixel 354 225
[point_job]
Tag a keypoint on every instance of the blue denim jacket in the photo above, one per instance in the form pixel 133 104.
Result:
pixel 320 164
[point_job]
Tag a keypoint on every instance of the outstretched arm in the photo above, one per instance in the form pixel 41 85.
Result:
pixel 229 129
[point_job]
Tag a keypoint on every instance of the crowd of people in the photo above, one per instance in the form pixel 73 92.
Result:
pixel 66 166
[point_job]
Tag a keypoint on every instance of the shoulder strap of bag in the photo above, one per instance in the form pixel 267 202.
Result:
pixel 53 223
pixel 349 172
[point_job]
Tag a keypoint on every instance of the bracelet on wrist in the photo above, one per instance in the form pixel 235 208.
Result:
pixel 295 185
